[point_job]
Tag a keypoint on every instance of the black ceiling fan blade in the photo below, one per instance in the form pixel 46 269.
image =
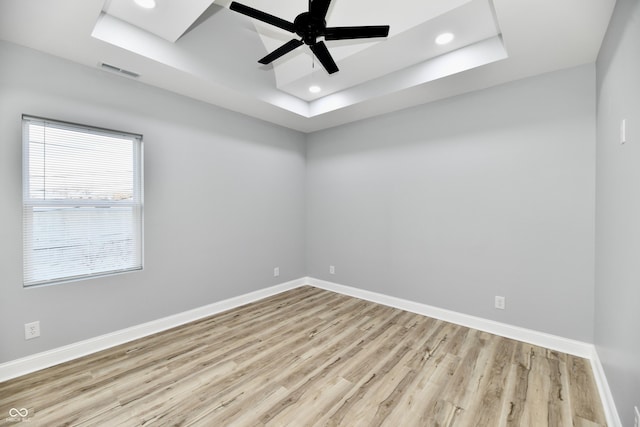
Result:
pixel 319 8
pixel 322 53
pixel 262 16
pixel 282 50
pixel 363 32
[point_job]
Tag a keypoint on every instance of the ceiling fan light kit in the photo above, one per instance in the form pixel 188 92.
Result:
pixel 309 26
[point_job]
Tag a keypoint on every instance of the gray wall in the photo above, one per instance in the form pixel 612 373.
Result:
pixel 617 302
pixel 454 202
pixel 224 203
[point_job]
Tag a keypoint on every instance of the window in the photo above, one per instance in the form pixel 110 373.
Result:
pixel 82 201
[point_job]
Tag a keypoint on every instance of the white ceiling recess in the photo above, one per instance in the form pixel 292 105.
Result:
pixel 201 49
pixel 169 20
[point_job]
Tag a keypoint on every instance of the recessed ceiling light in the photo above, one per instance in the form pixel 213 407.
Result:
pixel 147 4
pixel 444 38
pixel 314 89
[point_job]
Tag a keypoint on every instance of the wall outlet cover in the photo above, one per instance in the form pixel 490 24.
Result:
pixel 31 330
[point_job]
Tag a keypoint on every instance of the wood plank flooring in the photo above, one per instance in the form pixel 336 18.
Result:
pixel 309 357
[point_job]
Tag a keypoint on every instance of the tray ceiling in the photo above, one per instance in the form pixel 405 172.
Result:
pixel 201 49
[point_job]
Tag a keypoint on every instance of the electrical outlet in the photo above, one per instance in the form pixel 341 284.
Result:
pixel 276 271
pixel 31 330
pixel 637 416
pixel 500 303
pixel 332 269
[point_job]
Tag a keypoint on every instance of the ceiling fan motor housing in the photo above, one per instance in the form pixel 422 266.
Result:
pixel 309 27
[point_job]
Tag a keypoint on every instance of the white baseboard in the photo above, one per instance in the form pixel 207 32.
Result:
pixel 610 410
pixel 553 342
pixel 25 365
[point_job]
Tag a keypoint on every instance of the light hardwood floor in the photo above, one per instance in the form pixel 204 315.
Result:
pixel 309 357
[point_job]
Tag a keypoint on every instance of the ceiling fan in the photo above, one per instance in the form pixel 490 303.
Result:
pixel 309 26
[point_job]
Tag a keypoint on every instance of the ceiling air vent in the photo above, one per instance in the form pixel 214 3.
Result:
pixel 118 70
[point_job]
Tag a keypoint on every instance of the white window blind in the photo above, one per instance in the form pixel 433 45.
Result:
pixel 82 201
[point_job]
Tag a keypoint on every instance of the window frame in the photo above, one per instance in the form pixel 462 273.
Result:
pixel 29 203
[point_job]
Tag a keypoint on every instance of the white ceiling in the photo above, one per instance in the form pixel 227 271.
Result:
pixel 168 21
pixel 201 49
